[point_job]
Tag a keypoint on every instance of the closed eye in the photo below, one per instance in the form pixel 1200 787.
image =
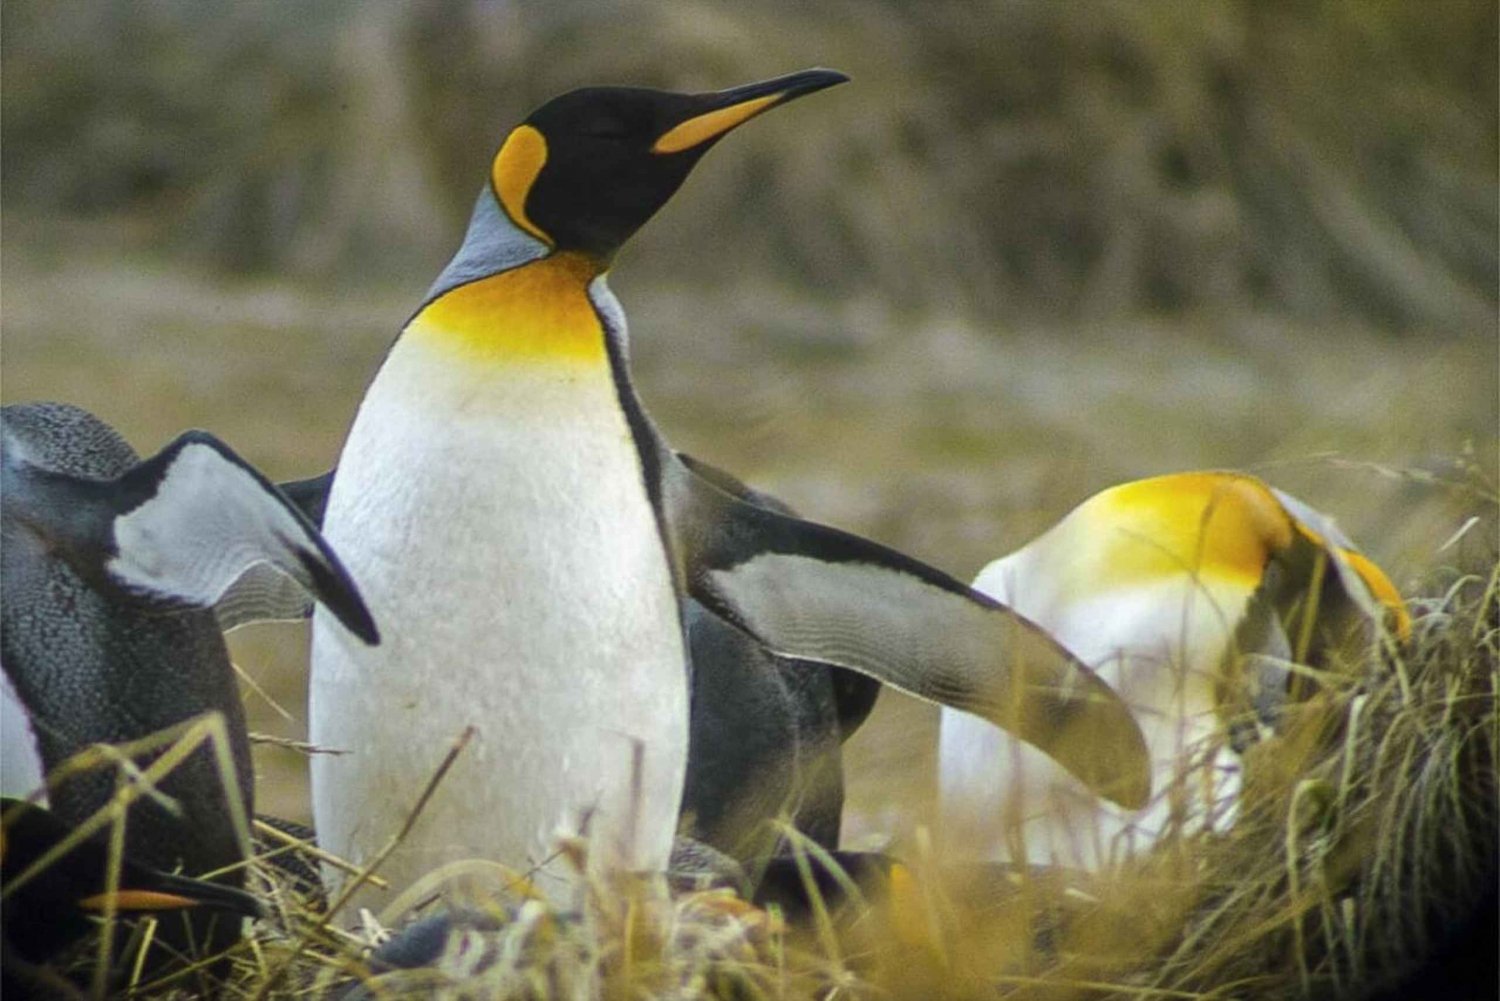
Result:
pixel 605 127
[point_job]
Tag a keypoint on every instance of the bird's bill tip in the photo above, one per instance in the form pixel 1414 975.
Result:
pixel 724 110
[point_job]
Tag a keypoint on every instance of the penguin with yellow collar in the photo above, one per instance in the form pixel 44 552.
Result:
pixel 526 538
pixel 1193 595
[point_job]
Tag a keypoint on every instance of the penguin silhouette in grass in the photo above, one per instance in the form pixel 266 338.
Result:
pixel 51 896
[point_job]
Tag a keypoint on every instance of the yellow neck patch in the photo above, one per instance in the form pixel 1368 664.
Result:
pixel 686 135
pixel 539 312
pixel 515 170
pixel 1221 526
pixel 1383 590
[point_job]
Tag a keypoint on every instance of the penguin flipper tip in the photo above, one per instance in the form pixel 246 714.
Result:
pixel 196 525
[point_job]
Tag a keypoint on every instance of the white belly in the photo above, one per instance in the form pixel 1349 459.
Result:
pixel 500 531
pixel 1160 651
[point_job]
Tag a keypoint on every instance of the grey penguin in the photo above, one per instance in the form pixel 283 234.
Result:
pixel 765 732
pixel 118 577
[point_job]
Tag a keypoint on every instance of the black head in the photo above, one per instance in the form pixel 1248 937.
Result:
pixel 587 169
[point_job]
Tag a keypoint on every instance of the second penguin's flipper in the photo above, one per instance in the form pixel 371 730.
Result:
pixel 197 526
pixel 808 591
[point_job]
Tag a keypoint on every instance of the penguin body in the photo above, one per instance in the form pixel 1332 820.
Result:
pixel 527 538
pixel 1185 593
pixel 763 744
pixel 765 732
pixel 509 585
pixel 112 571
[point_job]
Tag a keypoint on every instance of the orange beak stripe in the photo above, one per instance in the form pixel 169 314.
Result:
pixel 138 900
pixel 711 124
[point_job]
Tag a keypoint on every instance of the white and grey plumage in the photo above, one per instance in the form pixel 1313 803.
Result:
pixel 111 572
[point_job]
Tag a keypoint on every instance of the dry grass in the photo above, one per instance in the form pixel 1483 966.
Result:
pixel 1369 830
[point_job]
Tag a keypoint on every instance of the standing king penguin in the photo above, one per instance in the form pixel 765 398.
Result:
pixel 526 538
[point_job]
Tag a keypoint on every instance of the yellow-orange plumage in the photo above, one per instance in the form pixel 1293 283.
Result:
pixel 538 313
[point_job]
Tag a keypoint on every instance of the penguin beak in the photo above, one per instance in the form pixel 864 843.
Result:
pixel 137 900
pixel 717 113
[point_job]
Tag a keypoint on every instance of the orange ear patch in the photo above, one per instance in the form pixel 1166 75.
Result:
pixel 515 170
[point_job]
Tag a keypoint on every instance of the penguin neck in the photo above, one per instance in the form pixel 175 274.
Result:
pixel 537 315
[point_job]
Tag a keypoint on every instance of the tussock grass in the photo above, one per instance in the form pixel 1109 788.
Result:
pixel 1368 831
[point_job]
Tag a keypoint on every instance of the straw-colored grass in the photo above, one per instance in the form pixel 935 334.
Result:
pixel 1368 831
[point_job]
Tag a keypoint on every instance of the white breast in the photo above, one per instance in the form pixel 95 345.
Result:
pixel 498 526
pixel 1159 649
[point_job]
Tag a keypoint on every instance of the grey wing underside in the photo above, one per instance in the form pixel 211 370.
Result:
pixel 854 693
pixel 197 526
pixel 811 592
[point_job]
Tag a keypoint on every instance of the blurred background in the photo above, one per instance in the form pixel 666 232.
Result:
pixel 1035 248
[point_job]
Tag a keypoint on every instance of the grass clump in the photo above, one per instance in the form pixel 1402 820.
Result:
pixel 1367 835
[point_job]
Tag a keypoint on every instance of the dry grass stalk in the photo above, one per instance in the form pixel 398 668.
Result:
pixel 1368 825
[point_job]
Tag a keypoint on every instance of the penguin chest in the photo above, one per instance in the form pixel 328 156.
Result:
pixel 500 528
pixel 1159 644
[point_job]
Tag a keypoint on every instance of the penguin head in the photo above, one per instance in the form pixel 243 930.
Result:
pixel 587 169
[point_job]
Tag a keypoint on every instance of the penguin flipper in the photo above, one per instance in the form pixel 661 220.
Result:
pixel 197 526
pixel 812 592
pixel 212 531
pixel 854 693
pixel 310 495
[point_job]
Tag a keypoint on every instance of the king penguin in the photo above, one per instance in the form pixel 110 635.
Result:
pixel 764 732
pixel 1191 594
pixel 117 576
pixel 526 537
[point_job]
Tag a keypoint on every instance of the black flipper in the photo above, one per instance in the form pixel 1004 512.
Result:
pixel 193 526
pixel 808 591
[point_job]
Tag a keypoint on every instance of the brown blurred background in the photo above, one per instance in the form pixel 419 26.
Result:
pixel 1033 249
